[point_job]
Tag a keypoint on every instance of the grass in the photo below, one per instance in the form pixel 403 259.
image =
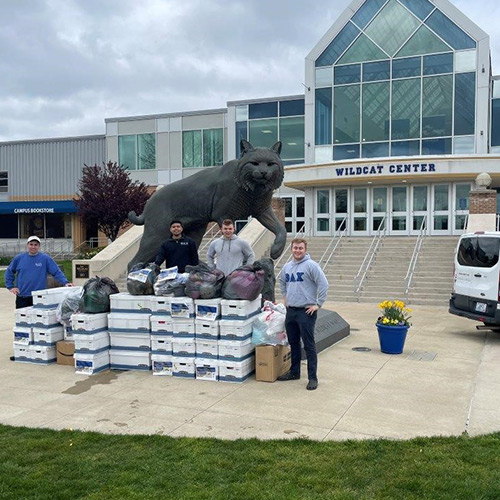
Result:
pixel 66 268
pixel 39 463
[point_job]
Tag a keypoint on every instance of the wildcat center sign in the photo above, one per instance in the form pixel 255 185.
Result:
pixel 399 168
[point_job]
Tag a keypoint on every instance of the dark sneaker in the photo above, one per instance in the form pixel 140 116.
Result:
pixel 288 376
pixel 312 385
pixel 12 358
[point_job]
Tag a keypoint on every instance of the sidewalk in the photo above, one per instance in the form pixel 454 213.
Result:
pixel 446 382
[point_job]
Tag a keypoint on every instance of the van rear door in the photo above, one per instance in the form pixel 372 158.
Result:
pixel 477 267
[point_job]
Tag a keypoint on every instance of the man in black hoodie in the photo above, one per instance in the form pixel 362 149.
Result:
pixel 178 250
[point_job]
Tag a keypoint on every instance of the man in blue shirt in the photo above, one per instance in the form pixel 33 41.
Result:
pixel 178 250
pixel 30 269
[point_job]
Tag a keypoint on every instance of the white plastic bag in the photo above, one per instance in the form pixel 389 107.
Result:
pixel 269 326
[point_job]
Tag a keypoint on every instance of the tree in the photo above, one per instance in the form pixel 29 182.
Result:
pixel 107 195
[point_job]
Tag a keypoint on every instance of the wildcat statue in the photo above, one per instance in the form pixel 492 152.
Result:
pixel 238 189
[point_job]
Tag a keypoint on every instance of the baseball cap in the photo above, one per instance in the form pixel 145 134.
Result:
pixel 34 238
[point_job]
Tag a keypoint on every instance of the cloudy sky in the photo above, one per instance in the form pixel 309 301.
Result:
pixel 66 65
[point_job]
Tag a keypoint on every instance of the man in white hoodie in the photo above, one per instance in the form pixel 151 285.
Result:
pixel 304 286
pixel 229 252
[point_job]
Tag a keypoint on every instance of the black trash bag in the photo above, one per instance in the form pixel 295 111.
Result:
pixel 204 282
pixel 244 283
pixel 96 292
pixel 140 279
pixel 269 279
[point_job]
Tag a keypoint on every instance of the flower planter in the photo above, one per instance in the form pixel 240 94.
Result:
pixel 392 338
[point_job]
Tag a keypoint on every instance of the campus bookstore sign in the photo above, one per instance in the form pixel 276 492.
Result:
pixel 393 168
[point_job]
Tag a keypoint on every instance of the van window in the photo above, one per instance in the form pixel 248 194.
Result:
pixel 478 251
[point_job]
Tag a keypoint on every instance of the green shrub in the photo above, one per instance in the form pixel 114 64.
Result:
pixel 88 253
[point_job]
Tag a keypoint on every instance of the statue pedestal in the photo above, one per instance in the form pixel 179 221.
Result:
pixel 330 329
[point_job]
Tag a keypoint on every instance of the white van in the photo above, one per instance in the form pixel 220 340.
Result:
pixel 476 293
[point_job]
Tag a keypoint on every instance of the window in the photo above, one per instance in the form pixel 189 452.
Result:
pixel 292 137
pixel 8 226
pixel 346 116
pixel 403 68
pixel 346 36
pixel 465 103
pixel 137 152
pixel 202 148
pixel 375 111
pixel 323 116
pixel 263 133
pixel 478 252
pixel 406 108
pixel 263 110
pixel 347 74
pixel 449 31
pixel 4 182
pixel 323 201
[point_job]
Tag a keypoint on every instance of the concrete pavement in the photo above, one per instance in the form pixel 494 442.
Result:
pixel 446 382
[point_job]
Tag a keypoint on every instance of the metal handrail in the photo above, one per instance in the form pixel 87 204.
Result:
pixel 497 228
pixel 339 233
pixel 370 254
pixel 416 252
pixel 211 235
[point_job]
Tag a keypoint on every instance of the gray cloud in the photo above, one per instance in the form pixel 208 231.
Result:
pixel 68 64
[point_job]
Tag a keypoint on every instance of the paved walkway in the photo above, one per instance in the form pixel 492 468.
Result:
pixel 361 394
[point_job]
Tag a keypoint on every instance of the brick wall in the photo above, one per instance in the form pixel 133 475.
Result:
pixel 483 202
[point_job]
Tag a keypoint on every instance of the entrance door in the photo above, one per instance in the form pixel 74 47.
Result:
pixel 398 223
pixel 359 212
pixel 323 224
pixel 294 213
pixel 441 209
pixel 460 207
pixel 419 208
pixel 341 201
pixel 379 209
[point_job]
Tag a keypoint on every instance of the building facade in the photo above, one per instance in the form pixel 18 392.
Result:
pixel 400 113
pixel 38 182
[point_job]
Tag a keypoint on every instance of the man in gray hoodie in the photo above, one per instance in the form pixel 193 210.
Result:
pixel 304 286
pixel 229 251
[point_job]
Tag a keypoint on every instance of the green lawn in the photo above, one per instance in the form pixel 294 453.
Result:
pixel 44 464
pixel 66 267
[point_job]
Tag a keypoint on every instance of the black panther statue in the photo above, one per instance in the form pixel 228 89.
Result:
pixel 236 190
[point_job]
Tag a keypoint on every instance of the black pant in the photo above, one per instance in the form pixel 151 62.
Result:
pixel 300 325
pixel 23 301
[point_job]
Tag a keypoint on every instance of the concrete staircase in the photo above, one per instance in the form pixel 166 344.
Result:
pixel 432 281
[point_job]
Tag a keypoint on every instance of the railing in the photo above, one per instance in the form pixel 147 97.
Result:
pixel 339 234
pixel 414 258
pixel 370 255
pixel 212 233
pixel 497 228
pixel 300 234
pixel 93 242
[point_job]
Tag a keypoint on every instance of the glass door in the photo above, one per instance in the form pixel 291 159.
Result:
pixel 294 213
pixel 341 197
pixel 460 207
pixel 379 209
pixel 359 212
pixel 419 208
pixel 398 223
pixel 322 212
pixel 441 209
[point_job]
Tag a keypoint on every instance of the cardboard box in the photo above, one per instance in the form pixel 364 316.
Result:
pixel 271 361
pixel 65 351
